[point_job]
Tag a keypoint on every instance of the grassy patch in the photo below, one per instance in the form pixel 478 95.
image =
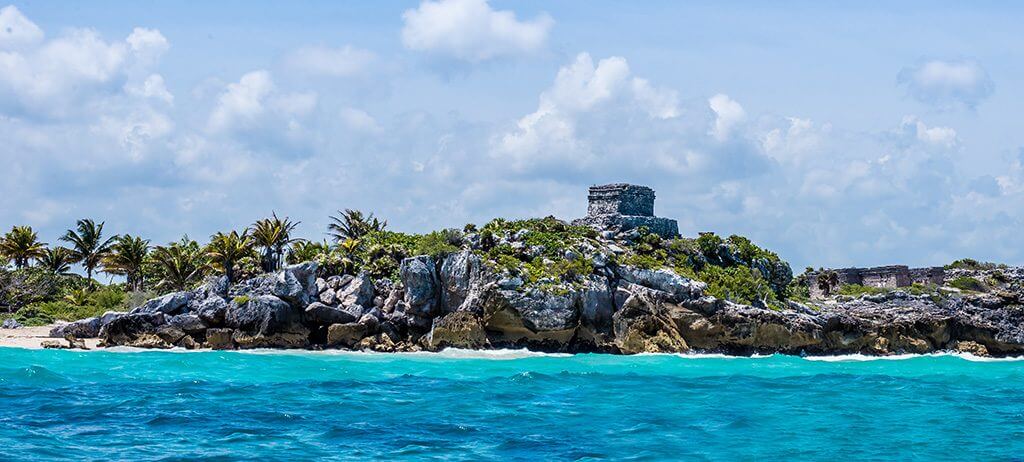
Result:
pixel 969 284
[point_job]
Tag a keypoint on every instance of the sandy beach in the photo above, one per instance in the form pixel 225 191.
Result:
pixel 33 337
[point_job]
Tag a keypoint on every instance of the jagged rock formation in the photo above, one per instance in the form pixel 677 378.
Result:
pixel 546 285
pixel 457 301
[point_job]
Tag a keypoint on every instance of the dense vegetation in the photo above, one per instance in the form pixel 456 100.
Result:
pixel 37 287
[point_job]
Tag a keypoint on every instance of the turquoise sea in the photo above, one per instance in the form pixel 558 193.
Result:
pixel 506 405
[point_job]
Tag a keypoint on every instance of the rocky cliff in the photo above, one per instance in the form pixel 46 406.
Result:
pixel 549 286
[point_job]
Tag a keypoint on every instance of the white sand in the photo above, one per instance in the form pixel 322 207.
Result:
pixel 33 337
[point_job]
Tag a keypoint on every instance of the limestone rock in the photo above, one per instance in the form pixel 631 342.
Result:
pixel 212 311
pixel 533 316
pixel 171 304
pixel 191 324
pixel 462 282
pixel 358 291
pixel 266 321
pixel 664 280
pixel 419 276
pixel 346 335
pixel 320 313
pixel 460 329
pixel 132 329
pixel 10 323
pixel 83 328
pixel 296 284
pixel 219 339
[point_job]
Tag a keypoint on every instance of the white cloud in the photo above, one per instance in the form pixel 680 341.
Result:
pixel 16 30
pixel 147 44
pixel 947 84
pixel 152 87
pixel 728 114
pixel 242 102
pixel 582 91
pixel 324 61
pixel 67 75
pixel 469 30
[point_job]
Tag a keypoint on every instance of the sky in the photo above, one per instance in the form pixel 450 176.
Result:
pixel 834 133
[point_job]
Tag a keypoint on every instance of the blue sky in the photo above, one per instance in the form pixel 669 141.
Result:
pixel 835 133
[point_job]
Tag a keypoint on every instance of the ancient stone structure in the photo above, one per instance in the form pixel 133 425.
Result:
pixel 621 207
pixel 880 276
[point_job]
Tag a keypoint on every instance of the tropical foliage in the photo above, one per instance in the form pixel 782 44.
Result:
pixel 226 251
pixel 353 224
pixel 127 257
pixel 20 245
pixel 87 245
pixel 273 235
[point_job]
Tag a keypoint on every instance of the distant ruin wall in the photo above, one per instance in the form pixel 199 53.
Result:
pixel 889 277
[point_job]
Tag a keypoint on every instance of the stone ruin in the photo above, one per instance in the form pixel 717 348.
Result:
pixel 621 207
pixel 890 277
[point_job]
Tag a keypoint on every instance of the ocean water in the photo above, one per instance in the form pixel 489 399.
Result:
pixel 506 405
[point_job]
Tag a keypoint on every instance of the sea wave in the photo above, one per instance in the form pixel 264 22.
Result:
pixel 900 357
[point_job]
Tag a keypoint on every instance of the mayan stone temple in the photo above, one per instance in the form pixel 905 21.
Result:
pixel 621 207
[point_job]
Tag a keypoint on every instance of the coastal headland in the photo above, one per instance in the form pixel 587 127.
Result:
pixel 620 280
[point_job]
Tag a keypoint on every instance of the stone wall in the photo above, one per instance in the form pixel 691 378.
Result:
pixel 622 207
pixel 889 277
pixel 933 275
pixel 621 199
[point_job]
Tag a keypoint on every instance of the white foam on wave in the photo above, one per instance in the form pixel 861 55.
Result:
pixel 862 357
pixel 447 353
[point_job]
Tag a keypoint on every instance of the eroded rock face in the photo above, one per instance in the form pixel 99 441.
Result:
pixel 460 302
pixel 83 328
pixel 318 313
pixel 419 276
pixel 133 329
pixel 266 321
pixel 532 316
pixel 665 280
pixel 346 335
pixel 461 329
pixel 463 283
pixel 171 304
pixel 358 291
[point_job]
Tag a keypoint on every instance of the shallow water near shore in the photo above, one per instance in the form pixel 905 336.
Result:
pixel 509 405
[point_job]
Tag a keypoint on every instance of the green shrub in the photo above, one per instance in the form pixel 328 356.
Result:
pixel 968 283
pixel 972 264
pixel 241 300
pixel 439 243
pixel 856 290
pixel 738 284
pixel 43 313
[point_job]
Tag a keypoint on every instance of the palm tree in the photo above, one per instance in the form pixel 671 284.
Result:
pixel 21 244
pixel 352 224
pixel 827 280
pixel 303 251
pixel 225 250
pixel 87 245
pixel 127 257
pixel 57 260
pixel 273 235
pixel 178 265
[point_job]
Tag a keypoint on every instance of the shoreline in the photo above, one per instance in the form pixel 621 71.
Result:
pixel 32 338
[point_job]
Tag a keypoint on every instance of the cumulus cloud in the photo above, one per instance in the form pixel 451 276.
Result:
pixel 548 136
pixel 728 114
pixel 947 84
pixel 470 30
pixel 67 75
pixel 16 30
pixel 346 61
